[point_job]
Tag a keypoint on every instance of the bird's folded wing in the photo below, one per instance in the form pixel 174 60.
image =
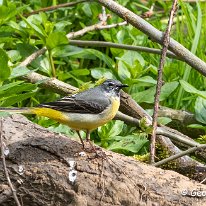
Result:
pixel 73 105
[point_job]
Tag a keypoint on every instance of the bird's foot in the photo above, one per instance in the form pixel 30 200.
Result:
pixel 90 148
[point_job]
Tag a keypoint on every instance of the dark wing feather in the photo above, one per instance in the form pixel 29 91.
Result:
pixel 75 105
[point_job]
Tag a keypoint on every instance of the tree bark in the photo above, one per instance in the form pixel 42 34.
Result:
pixel 40 161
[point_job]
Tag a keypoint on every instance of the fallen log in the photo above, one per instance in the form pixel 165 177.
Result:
pixel 47 168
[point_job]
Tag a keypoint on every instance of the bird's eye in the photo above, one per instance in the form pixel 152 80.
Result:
pixel 110 84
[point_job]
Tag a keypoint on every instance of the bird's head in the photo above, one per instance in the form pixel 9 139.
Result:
pixel 113 86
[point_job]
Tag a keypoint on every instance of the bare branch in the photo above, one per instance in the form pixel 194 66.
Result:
pixel 189 151
pixel 176 137
pixel 120 46
pixel 5 167
pixel 33 56
pixel 50 83
pixel 98 26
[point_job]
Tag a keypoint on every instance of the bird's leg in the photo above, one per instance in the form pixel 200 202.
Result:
pixel 80 138
pixel 88 139
pixel 87 135
pixel 94 149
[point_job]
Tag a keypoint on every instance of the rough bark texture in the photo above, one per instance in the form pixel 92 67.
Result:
pixel 116 180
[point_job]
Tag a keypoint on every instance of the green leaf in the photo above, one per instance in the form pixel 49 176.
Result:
pixel 16 98
pixel 60 26
pixel 145 96
pixel 87 10
pixel 130 64
pixel 42 63
pixel 19 71
pixel 164 120
pixel 200 110
pixel 10 85
pixel 76 52
pixel 100 72
pixel 14 55
pixel 66 50
pixel 197 126
pixel 34 22
pixel 7 12
pixel 108 61
pixel 190 89
pixel 110 129
pixel 148 95
pixel 145 79
pixel 25 87
pixel 56 39
pixel 167 89
pixel 80 72
pixel 62 129
pixel 25 49
pixel 129 143
pixel 4 69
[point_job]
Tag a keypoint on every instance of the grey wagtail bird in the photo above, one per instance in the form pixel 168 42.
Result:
pixel 85 111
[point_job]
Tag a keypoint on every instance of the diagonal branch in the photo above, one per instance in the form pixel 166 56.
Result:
pixel 189 151
pixel 98 26
pixel 155 34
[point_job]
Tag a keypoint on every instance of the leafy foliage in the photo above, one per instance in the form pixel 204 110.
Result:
pixel 22 34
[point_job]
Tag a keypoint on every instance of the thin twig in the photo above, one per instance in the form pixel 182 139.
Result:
pixel 5 167
pixel 203 181
pixel 50 8
pixel 71 35
pixel 189 151
pixel 33 56
pixel 98 26
pixel 120 46
pixel 166 40
pixel 176 137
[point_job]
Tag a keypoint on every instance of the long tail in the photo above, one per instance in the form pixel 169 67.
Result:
pixel 40 111
pixel 23 110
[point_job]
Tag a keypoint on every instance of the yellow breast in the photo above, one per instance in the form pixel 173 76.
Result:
pixel 111 111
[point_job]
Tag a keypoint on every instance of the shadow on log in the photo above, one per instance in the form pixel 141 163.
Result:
pixel 40 163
